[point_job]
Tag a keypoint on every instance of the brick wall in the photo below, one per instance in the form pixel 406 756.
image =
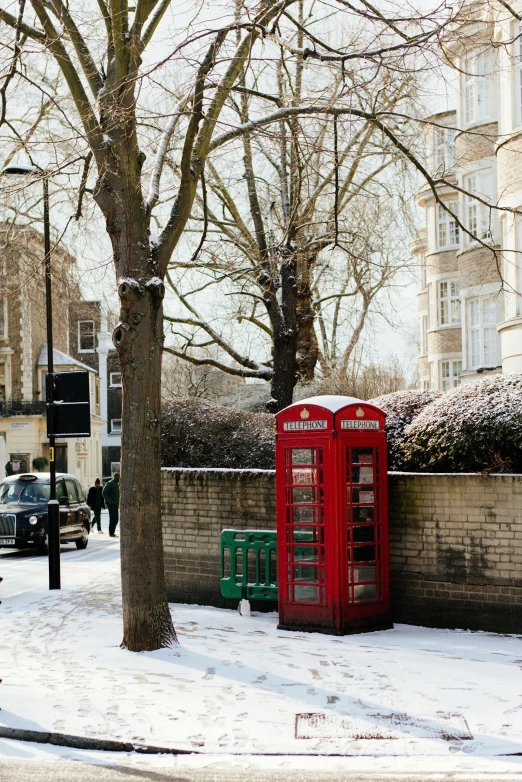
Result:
pixel 478 266
pixel 445 340
pixel 196 506
pixel 456 541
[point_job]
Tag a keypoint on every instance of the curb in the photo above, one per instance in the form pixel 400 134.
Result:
pixel 79 742
pixel 109 745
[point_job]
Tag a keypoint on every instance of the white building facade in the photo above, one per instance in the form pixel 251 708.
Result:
pixel 470 280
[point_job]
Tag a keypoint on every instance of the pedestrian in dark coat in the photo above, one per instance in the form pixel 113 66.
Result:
pixel 111 495
pixel 96 502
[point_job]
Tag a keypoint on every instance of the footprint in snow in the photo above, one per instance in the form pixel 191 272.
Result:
pixel 210 673
pixel 315 673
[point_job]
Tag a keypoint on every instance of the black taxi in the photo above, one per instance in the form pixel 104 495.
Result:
pixel 23 511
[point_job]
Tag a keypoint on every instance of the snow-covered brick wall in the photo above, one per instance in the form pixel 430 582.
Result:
pixel 455 541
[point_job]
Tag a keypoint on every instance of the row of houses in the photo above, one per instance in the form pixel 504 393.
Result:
pixel 470 281
pixel 82 340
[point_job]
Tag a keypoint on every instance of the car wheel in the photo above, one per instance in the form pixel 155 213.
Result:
pixel 43 548
pixel 84 540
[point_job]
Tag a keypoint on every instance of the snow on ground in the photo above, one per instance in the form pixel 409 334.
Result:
pixel 234 685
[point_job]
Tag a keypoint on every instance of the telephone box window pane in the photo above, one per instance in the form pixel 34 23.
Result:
pixel 306 535
pixel 304 456
pixel 362 455
pixel 305 515
pixel 364 534
pixel 363 515
pixel 364 554
pixel 302 495
pixel 307 554
pixel 362 474
pixel 362 496
pixel 306 594
pixel 364 573
pixel 308 574
pixel 304 475
pixel 362 594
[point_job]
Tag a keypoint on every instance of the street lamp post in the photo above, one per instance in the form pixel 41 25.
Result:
pixel 53 507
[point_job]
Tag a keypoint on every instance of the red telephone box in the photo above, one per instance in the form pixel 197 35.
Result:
pixel 332 516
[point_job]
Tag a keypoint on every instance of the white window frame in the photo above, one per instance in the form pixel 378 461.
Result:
pixel 476 87
pixel 114 383
pixel 447 227
pixel 448 302
pixel 115 423
pixel 483 340
pixel 431 366
pixel 115 467
pixel 477 216
pixel 424 335
pixel 86 350
pixel 449 373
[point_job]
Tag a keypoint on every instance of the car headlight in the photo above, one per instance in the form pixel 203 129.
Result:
pixel 33 519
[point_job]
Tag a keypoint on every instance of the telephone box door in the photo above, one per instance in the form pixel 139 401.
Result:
pixel 364 518
pixel 306 522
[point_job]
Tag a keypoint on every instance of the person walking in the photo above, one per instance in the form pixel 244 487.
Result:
pixel 111 495
pixel 96 502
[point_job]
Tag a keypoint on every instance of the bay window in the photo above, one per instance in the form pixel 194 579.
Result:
pixel 447 228
pixel 477 215
pixel 450 374
pixel 482 334
pixel 476 87
pixel 443 149
pixel 449 302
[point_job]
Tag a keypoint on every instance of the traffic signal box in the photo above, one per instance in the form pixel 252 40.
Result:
pixel 71 409
pixel 332 516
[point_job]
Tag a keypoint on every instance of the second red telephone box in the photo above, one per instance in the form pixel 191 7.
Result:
pixel 332 516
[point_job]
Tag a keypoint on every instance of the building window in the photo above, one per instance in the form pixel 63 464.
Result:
pixel 115 425
pixel 450 374
pixel 115 467
pixel 449 303
pixel 477 214
pixel 447 228
pixel 424 335
pixel 115 380
pixel 86 337
pixel 517 71
pixel 476 87
pixel 3 317
pixel 482 334
pixel 422 272
pixel 443 149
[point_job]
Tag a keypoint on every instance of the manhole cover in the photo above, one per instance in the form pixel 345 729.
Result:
pixel 450 727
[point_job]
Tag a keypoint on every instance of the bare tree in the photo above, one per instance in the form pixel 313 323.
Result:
pixel 296 232
pixel 109 109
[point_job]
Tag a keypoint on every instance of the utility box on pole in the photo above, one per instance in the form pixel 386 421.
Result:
pixel 332 516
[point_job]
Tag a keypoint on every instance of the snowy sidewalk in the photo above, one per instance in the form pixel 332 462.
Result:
pixel 235 685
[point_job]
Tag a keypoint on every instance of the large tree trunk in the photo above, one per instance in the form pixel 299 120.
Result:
pixel 307 344
pixel 284 346
pixel 139 340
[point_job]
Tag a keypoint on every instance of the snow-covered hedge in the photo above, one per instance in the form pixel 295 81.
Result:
pixel 198 434
pixel 477 426
pixel 401 408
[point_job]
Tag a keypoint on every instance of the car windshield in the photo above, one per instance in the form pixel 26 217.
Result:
pixel 23 493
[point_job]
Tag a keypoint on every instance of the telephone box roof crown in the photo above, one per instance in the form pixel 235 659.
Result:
pixel 329 402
